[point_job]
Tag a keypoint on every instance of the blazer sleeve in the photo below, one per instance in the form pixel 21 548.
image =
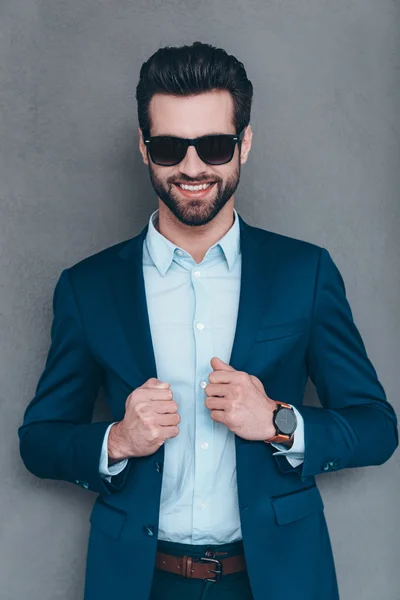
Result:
pixel 357 426
pixel 57 438
pixel 107 472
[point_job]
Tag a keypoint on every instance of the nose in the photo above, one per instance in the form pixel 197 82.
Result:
pixel 192 165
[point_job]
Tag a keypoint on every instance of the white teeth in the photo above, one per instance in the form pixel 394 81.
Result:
pixel 194 188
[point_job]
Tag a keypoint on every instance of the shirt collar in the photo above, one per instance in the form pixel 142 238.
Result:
pixel 162 250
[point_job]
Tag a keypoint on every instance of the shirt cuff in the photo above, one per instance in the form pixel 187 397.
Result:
pixel 295 454
pixel 108 471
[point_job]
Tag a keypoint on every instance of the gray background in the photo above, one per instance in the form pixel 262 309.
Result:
pixel 324 167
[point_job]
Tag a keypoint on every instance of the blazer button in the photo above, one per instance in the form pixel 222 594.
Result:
pixel 149 530
pixel 158 467
pixel 326 467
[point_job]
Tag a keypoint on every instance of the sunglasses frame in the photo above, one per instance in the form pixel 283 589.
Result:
pixel 193 142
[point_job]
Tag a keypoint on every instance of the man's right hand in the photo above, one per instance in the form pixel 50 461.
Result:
pixel 151 417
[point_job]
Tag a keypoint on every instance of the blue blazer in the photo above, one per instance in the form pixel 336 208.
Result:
pixel 294 322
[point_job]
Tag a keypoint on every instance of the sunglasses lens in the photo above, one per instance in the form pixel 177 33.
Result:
pixel 216 149
pixel 212 149
pixel 167 151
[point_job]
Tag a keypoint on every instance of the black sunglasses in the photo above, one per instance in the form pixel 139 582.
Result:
pixel 167 150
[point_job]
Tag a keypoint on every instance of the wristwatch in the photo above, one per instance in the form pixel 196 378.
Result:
pixel 285 422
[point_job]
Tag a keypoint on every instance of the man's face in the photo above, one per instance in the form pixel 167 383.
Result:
pixel 191 117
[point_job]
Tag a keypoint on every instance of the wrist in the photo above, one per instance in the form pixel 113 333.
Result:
pixel 289 442
pixel 284 424
pixel 117 448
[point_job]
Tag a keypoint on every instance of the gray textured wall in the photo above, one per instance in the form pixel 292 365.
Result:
pixel 324 167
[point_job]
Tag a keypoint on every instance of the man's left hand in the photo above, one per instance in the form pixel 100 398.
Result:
pixel 238 400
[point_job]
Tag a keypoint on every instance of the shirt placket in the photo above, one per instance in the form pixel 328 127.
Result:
pixel 204 425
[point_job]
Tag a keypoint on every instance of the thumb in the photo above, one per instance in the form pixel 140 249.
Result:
pixel 219 365
pixel 157 383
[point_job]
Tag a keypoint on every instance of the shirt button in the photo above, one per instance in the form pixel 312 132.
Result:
pixel 202 505
pixel 179 252
pixel 204 445
pixel 197 273
pixel 203 384
pixel 200 326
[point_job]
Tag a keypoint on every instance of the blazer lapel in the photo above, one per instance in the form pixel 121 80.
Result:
pixel 128 289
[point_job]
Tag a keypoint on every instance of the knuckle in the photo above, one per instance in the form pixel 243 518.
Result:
pixel 146 412
pixel 153 433
pixel 237 390
pixel 137 409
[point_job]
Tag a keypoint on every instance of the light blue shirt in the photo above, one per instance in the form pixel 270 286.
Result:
pixel 193 312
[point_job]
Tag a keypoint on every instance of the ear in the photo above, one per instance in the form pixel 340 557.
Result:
pixel 246 144
pixel 142 147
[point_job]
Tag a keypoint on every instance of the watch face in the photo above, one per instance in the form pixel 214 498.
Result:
pixel 285 420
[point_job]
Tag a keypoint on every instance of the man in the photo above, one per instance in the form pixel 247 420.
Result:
pixel 203 331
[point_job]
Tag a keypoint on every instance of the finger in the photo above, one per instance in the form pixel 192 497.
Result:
pixel 154 382
pixel 170 431
pixel 158 394
pixel 217 389
pixel 216 403
pixel 218 416
pixel 165 406
pixel 222 376
pixel 168 420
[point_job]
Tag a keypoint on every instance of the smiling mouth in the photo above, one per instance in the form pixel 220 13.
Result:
pixel 195 193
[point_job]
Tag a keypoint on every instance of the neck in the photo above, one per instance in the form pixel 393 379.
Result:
pixel 194 240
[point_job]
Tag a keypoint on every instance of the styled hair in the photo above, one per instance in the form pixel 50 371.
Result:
pixel 191 70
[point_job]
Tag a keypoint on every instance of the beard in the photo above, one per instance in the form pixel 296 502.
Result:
pixel 195 212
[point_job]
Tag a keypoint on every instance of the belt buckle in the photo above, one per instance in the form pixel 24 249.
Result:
pixel 218 572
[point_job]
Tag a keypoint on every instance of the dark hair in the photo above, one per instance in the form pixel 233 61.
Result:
pixel 190 70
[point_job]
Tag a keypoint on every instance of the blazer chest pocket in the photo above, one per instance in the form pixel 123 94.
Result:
pixel 282 330
pixel 298 505
pixel 108 519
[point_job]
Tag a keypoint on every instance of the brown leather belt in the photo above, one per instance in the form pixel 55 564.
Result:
pixel 202 567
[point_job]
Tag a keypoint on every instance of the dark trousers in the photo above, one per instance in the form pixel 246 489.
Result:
pixel 171 586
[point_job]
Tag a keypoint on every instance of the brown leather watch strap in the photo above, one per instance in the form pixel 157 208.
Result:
pixel 196 568
pixel 280 437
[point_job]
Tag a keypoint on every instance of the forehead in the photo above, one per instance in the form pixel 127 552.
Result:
pixel 192 116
